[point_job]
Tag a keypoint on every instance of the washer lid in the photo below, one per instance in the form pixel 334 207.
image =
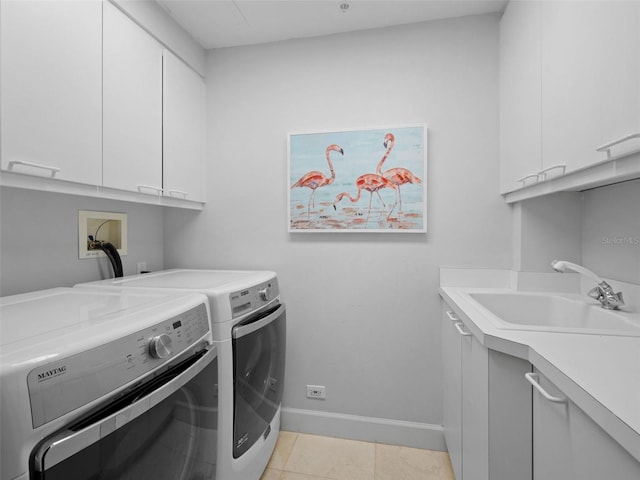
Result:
pixel 217 285
pixel 184 279
pixel 32 320
pixel 209 282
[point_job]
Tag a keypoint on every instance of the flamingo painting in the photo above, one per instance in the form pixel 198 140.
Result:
pixel 372 183
pixel 311 193
pixel 398 176
pixel 316 179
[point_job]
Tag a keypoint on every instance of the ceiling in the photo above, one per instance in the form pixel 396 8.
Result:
pixel 228 23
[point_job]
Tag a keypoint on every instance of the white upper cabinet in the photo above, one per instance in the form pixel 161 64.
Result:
pixel 569 84
pixel 520 98
pixel 590 80
pixel 132 105
pixel 183 131
pixel 51 89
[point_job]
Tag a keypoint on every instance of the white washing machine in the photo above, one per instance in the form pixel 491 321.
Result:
pixel 110 385
pixel 249 331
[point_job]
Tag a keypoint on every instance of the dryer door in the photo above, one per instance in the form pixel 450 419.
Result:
pixel 258 368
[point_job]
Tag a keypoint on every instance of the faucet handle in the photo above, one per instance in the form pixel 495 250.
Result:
pixel 595 292
pixel 618 299
pixel 605 295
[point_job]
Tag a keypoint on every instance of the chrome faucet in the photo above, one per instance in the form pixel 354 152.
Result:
pixel 601 292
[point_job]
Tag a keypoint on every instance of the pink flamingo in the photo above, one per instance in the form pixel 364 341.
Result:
pixel 316 179
pixel 398 176
pixel 371 182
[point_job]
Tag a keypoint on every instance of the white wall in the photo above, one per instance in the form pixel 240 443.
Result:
pixel 611 231
pixel 363 309
pixel 598 228
pixel 547 228
pixel 39 240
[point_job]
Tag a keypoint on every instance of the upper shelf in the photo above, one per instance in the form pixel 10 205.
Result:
pixel 609 171
pixel 45 184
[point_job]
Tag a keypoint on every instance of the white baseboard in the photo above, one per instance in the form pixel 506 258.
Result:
pixel 353 427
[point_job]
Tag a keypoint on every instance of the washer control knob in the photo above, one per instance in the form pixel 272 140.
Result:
pixel 160 346
pixel 265 294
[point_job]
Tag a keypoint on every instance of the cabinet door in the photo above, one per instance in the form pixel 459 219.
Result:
pixel 551 435
pixel 183 132
pixel 132 105
pixel 452 360
pixel 51 88
pixel 475 410
pixel 569 444
pixel 520 98
pixel 590 79
pixel 510 435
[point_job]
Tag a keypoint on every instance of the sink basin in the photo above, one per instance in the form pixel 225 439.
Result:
pixel 553 312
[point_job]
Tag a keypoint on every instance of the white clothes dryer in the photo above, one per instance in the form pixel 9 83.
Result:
pixel 248 322
pixel 105 384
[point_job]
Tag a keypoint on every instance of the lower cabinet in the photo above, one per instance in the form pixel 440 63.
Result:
pixel 487 408
pixel 568 444
pixel 503 420
pixel 475 407
pixel 452 385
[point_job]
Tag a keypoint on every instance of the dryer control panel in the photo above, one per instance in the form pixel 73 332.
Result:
pixel 252 298
pixel 59 387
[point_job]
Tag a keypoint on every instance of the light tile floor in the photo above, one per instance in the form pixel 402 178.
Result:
pixel 300 456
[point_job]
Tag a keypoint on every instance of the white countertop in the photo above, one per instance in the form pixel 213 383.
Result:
pixel 599 373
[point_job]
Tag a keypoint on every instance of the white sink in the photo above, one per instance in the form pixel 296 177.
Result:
pixel 553 312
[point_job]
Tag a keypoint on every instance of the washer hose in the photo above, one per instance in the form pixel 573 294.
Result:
pixel 112 254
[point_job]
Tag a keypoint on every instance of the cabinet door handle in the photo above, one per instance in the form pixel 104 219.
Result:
pixel 158 190
pixel 452 316
pixel 460 330
pixel 532 378
pixel 527 177
pixel 53 170
pixel 607 146
pixel 179 192
pixel 542 174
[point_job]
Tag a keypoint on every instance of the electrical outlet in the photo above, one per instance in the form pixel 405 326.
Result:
pixel 141 267
pixel 316 391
